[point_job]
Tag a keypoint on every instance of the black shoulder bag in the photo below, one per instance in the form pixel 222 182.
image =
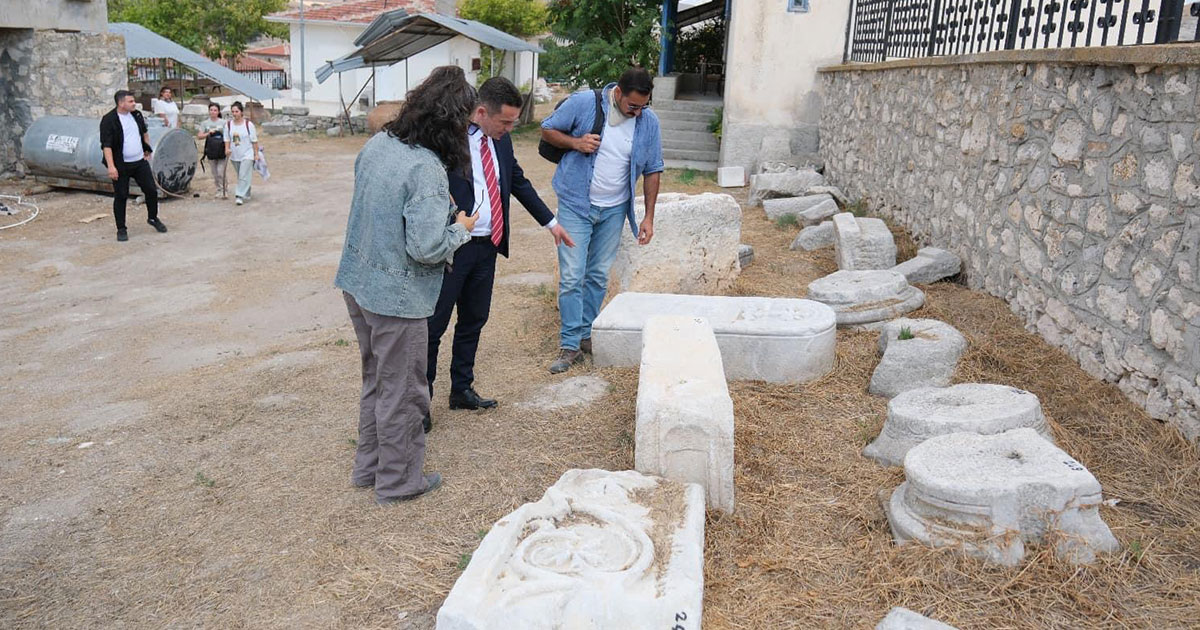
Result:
pixel 553 153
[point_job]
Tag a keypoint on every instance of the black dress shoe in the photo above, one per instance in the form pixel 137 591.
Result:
pixel 122 235
pixel 158 225
pixel 427 423
pixel 468 399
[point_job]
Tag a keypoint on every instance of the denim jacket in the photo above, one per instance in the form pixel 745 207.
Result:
pixel 573 177
pixel 401 233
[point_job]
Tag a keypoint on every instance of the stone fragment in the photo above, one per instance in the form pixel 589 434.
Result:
pixel 862 243
pixel 833 191
pixel 926 360
pixel 277 127
pixel 864 297
pixel 577 391
pixel 333 131
pixel 695 247
pixel 195 109
pixel 789 183
pixel 295 110
pixel 982 408
pixel 780 340
pixel 731 176
pixel 599 550
pixel 814 237
pixel 929 265
pixel 990 495
pixel 808 210
pixel 684 413
pixel 745 255
pixel 904 619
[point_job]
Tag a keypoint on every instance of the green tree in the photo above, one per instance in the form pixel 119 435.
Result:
pixel 600 39
pixel 213 28
pixel 520 18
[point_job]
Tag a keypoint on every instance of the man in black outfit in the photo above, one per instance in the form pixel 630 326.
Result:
pixel 485 191
pixel 126 148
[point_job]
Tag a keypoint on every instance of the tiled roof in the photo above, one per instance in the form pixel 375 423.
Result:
pixel 359 11
pixel 246 63
pixel 279 50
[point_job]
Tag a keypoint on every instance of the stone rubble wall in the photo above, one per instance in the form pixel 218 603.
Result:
pixel 1068 189
pixel 299 123
pixel 51 73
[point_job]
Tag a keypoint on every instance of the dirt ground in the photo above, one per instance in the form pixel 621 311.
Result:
pixel 177 416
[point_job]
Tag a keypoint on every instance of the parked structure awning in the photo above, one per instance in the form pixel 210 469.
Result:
pixel 397 35
pixel 141 43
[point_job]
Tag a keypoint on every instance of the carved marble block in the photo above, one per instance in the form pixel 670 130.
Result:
pixel 983 408
pixel 792 182
pixel 861 298
pixel 862 243
pixel 780 340
pixel 929 265
pixel 927 359
pixel 991 495
pixel 808 210
pixel 599 550
pixel 684 412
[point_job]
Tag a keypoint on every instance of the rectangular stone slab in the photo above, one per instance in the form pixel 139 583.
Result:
pixel 684 426
pixel 780 340
pixel 599 550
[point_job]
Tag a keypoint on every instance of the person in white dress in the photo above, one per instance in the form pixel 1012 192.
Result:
pixel 166 108
pixel 241 145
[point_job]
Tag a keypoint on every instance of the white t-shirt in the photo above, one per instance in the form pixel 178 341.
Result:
pixel 241 138
pixel 131 146
pixel 170 109
pixel 610 175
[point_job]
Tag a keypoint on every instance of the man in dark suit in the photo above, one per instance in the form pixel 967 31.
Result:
pixel 484 192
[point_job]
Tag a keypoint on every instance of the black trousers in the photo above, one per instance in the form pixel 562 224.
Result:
pixel 467 285
pixel 141 173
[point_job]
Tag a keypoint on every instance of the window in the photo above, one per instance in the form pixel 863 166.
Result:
pixel 797 6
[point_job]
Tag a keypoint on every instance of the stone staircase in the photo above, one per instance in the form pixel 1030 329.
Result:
pixel 687 142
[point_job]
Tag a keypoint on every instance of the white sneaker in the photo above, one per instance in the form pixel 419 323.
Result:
pixel 238 201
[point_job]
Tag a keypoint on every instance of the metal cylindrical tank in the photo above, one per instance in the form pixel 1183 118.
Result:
pixel 65 151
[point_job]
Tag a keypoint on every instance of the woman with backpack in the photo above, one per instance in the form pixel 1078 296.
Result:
pixel 241 145
pixel 212 132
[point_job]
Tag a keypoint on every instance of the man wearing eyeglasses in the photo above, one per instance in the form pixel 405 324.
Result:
pixel 596 182
pixel 483 193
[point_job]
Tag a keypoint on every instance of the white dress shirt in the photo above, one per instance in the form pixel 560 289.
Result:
pixel 483 201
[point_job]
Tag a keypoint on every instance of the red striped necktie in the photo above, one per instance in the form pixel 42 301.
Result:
pixel 493 188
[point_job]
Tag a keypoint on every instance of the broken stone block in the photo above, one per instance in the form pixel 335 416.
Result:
pixel 927 359
pixel 904 619
pixel 833 191
pixel 981 408
pixel 599 550
pixel 694 250
pixel 195 109
pixel 862 243
pixel 808 210
pixel 684 413
pixel 860 298
pixel 990 495
pixel 745 255
pixel 334 131
pixel 789 183
pixel 814 237
pixel 780 340
pixel 731 176
pixel 929 265
pixel 277 127
pixel 295 110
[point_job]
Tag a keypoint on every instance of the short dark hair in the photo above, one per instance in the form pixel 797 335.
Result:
pixel 435 116
pixel 636 79
pixel 120 96
pixel 497 92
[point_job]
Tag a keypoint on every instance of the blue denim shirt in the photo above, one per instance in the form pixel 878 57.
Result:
pixel 400 233
pixel 573 177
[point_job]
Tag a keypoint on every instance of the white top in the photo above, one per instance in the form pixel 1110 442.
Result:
pixel 610 175
pixel 131 146
pixel 241 138
pixel 170 109
pixel 483 201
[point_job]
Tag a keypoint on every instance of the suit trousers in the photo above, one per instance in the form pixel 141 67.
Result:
pixel 394 401
pixel 468 286
pixel 141 173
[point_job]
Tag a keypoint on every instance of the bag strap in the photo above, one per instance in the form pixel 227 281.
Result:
pixel 599 122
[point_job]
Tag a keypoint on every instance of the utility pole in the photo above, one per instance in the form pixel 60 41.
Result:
pixel 302 76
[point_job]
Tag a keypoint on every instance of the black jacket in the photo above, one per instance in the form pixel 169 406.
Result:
pixel 112 136
pixel 512 182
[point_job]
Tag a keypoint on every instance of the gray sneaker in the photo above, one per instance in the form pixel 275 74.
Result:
pixel 566 358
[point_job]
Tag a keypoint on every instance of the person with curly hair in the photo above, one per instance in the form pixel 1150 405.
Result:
pixel 402 231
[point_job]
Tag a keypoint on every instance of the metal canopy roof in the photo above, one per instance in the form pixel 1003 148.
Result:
pixel 141 42
pixel 396 35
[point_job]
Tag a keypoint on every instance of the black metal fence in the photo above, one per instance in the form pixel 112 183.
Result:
pixel 879 30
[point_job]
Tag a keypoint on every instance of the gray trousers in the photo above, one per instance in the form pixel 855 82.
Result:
pixel 395 399
pixel 218 173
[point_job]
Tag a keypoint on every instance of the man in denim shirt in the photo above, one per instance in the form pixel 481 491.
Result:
pixel 596 181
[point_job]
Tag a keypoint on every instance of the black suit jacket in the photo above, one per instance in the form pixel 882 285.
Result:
pixel 512 182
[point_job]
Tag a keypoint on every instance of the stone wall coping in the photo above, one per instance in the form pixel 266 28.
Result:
pixel 1181 54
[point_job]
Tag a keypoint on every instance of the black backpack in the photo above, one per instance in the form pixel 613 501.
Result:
pixel 214 146
pixel 553 153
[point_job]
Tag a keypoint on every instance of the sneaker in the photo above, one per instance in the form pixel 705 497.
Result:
pixel 433 481
pixel 566 358
pixel 158 225
pixel 122 235
pixel 238 201
pixel 585 345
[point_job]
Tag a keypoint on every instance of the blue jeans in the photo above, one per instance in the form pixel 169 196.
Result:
pixel 583 269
